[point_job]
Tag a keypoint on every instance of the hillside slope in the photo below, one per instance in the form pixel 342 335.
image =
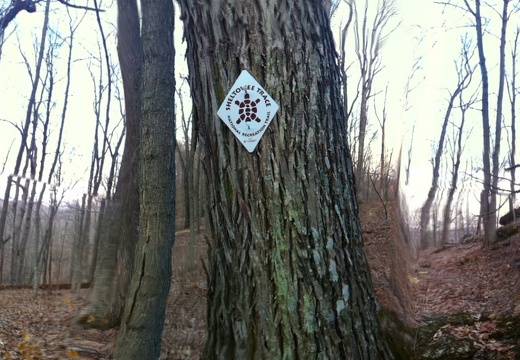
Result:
pixel 458 302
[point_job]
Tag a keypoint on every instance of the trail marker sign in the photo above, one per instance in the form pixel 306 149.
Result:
pixel 247 110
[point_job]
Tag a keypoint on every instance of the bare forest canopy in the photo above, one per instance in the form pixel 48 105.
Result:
pixel 109 137
pixel 397 102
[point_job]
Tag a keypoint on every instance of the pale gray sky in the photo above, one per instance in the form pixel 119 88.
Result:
pixel 423 32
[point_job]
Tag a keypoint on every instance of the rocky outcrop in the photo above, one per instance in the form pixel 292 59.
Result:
pixel 508 218
pixel 453 337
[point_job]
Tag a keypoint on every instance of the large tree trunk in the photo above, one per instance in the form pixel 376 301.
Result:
pixel 288 276
pixel 140 334
pixel 121 217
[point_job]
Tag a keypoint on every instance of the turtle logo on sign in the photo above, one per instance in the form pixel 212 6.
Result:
pixel 247 110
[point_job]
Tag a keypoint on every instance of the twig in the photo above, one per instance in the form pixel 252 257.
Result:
pixel 66 3
pixel 85 350
pixel 512 167
pixel 380 198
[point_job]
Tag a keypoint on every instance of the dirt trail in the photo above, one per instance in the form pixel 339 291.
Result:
pixel 469 278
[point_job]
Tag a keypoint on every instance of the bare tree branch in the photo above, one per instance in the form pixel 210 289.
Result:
pixel 15 8
pixel 18 6
pixel 80 6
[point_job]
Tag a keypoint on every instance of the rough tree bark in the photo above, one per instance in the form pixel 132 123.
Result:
pixel 288 278
pixel 140 334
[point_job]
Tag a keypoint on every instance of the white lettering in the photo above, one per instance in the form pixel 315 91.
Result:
pixel 233 126
pixel 231 97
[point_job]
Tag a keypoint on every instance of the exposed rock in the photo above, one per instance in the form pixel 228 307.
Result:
pixel 507 231
pixel 466 336
pixel 468 238
pixel 449 348
pixel 508 218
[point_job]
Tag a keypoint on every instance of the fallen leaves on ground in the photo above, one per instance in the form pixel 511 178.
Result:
pixel 483 282
pixel 469 279
pixel 45 327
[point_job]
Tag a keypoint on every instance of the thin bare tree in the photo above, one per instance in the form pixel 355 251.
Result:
pixel 464 70
pixel 496 160
pixel 188 164
pixel 28 148
pixel 186 153
pixel 382 162
pixel 512 92
pixel 54 177
pixel 490 157
pixel 370 34
pixel 462 83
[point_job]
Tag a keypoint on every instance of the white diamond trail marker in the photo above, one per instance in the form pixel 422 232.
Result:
pixel 247 110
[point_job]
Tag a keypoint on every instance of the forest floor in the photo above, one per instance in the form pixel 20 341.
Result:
pixel 469 279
